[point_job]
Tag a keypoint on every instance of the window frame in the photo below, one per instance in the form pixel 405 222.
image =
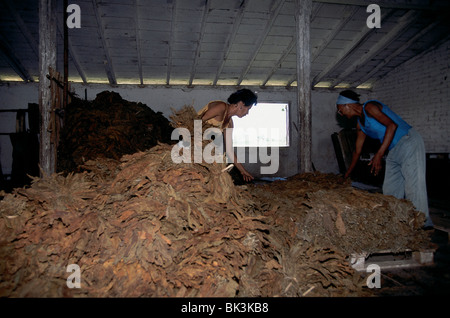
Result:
pixel 251 144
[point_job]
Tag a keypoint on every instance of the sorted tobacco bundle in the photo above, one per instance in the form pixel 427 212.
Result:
pixel 108 127
pixel 329 212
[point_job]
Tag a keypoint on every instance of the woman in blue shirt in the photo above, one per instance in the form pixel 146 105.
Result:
pixel 405 163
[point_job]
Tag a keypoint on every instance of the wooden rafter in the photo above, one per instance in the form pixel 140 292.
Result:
pixel 333 34
pixel 13 60
pixel 23 27
pixel 199 42
pixel 230 39
pixel 72 52
pixel 172 41
pixel 270 22
pixel 444 39
pixel 101 32
pixel 394 54
pixel 358 40
pixel 280 60
pixel 285 54
pixel 8 52
pixel 138 42
pixel 396 31
pixel 389 4
pixel 76 63
pixel 315 11
pixel 348 14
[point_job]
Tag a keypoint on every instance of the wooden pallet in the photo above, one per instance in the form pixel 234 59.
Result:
pixel 390 260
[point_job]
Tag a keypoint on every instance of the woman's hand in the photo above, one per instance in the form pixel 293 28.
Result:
pixel 376 164
pixel 247 176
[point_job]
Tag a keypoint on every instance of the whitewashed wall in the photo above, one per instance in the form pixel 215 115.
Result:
pixel 419 91
pixel 164 98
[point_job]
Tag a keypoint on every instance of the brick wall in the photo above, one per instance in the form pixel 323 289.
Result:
pixel 419 91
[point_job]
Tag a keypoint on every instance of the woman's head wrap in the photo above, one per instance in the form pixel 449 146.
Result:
pixel 345 100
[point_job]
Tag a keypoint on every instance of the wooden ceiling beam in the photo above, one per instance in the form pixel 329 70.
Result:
pixel 397 52
pixel 397 4
pixel 138 41
pixel 23 28
pixel 13 60
pixel 230 39
pixel 270 22
pixel 402 25
pixel 445 38
pixel 199 42
pixel 107 58
pixel 72 52
pixel 349 12
pixel 345 52
pixel 280 60
pixel 316 9
pixel 172 40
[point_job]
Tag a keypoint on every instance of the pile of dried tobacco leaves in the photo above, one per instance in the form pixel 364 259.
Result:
pixel 108 127
pixel 144 226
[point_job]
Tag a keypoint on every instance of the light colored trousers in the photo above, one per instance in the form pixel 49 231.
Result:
pixel 405 176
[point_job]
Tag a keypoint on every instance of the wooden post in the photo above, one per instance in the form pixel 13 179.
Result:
pixel 66 56
pixel 303 21
pixel 47 58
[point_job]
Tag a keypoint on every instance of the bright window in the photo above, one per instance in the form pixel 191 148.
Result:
pixel 266 125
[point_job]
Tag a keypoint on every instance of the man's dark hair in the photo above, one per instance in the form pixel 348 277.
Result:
pixel 245 95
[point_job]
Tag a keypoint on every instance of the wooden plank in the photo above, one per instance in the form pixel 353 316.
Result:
pixel 390 260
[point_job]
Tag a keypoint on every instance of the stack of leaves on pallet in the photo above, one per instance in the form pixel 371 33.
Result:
pixel 144 226
pixel 108 127
pixel 326 210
